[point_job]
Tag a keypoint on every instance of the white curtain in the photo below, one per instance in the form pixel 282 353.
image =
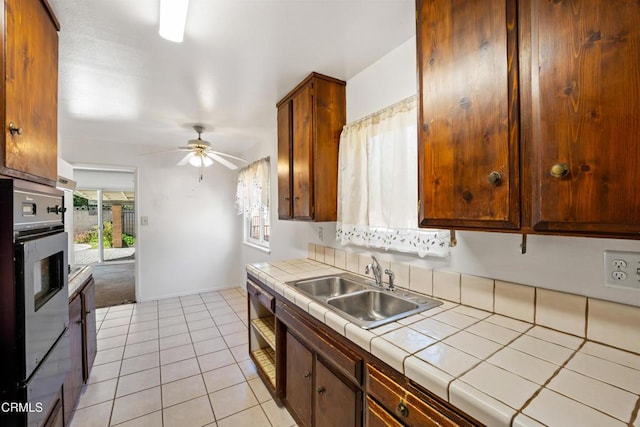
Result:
pixel 378 184
pixel 252 192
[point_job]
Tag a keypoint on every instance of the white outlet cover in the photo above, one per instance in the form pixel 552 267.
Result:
pixel 622 269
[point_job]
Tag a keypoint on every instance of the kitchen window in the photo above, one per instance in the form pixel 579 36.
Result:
pixel 252 202
pixel 378 184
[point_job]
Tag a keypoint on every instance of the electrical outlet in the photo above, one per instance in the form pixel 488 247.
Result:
pixel 144 220
pixel 618 275
pixel 619 264
pixel 622 269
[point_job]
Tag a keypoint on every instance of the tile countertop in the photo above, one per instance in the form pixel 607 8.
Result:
pixel 77 278
pixel 502 371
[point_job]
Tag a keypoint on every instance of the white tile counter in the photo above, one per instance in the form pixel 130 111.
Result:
pixel 502 371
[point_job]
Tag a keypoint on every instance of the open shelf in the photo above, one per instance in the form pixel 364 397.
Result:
pixel 265 358
pixel 265 326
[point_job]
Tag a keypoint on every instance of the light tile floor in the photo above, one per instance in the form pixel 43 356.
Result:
pixel 176 362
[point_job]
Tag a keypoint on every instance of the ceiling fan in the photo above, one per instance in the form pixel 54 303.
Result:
pixel 201 155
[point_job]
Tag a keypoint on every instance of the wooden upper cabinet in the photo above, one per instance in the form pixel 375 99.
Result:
pixel 584 111
pixel 468 116
pixel 285 207
pixel 310 119
pixel 29 150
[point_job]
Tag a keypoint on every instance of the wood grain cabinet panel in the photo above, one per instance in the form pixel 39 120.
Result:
pixel 337 403
pixel 468 116
pixel 29 151
pixel 75 378
pixel 310 119
pixel 527 120
pixel 83 342
pixel 584 115
pixel 299 380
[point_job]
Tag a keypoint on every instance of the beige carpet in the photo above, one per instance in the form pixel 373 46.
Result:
pixel 115 284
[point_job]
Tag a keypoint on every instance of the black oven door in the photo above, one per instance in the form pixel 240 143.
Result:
pixel 42 294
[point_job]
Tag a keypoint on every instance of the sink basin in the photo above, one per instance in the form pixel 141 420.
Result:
pixel 372 308
pixel 360 301
pixel 372 305
pixel 327 287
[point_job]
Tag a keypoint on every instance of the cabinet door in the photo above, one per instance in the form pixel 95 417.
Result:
pixel 89 325
pixel 56 416
pixel 303 153
pixel 585 114
pixel 74 380
pixel 284 160
pixel 336 402
pixel 299 379
pixel 31 86
pixel 468 117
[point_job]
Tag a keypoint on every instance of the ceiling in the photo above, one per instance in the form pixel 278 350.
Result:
pixel 121 83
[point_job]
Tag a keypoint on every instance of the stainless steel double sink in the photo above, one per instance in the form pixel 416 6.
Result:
pixel 361 301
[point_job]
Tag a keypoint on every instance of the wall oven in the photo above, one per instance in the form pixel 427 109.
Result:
pixel 34 312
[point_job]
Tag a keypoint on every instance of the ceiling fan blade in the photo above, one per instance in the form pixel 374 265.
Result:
pixel 186 159
pixel 228 155
pixel 221 160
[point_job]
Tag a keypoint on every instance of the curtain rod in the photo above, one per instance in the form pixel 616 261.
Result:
pixel 382 110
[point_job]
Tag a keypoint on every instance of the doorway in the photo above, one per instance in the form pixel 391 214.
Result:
pixel 105 232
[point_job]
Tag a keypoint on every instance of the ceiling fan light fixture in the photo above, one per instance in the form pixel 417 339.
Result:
pixel 196 161
pixel 173 18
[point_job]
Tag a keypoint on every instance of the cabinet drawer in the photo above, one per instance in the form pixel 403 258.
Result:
pixel 261 295
pixel 406 406
pixel 377 416
pixel 345 360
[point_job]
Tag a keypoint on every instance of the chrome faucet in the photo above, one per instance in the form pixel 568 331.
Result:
pixel 375 268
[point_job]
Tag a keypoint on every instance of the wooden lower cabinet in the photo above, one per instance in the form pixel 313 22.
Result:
pixel 337 403
pixel 75 379
pixel 323 382
pixel 314 393
pixel 405 405
pixel 90 341
pixel 83 342
pixel 377 416
pixel 56 416
pixel 299 382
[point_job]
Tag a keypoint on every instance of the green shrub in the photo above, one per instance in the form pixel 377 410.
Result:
pixel 129 240
pixel 91 237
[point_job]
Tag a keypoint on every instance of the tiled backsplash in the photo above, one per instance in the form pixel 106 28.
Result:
pixel 607 322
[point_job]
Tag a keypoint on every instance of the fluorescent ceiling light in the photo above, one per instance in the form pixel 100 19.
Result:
pixel 173 17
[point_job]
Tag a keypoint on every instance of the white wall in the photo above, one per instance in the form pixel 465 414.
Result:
pixel 191 243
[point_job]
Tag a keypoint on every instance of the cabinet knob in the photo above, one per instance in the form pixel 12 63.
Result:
pixel 307 374
pixel 14 130
pixel 320 389
pixel 296 198
pixel 402 410
pixel 559 170
pixel 494 178
pixel 286 198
